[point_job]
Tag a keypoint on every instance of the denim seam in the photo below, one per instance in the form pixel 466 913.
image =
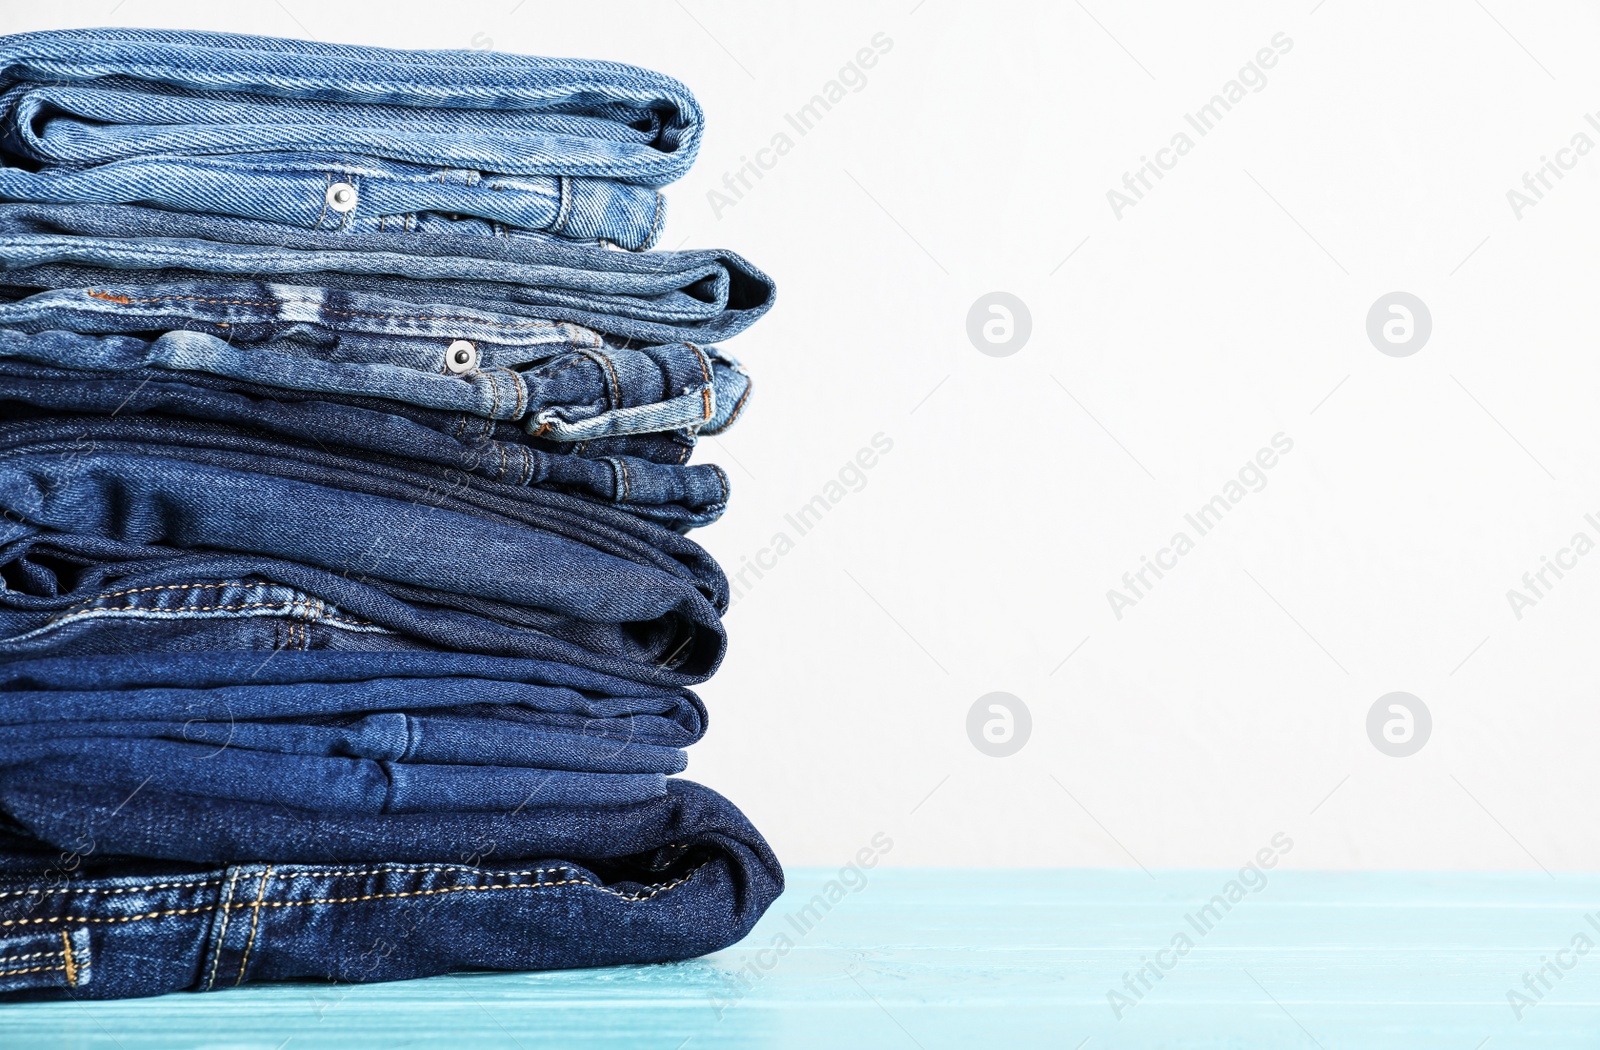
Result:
pixel 516 384
pixel 222 933
pixel 292 608
pixel 25 958
pixel 525 474
pixel 327 178
pixel 255 924
pixel 174 587
pixel 655 221
pixel 616 382
pixel 32 969
pixel 565 210
pixel 130 301
pixel 123 889
pixel 80 614
pixel 707 397
pixel 494 393
pixel 622 473
pixel 71 964
pixel 634 898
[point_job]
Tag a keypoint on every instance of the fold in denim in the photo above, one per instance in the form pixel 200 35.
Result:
pixel 144 684
pixel 64 446
pixel 316 784
pixel 265 128
pixel 68 575
pixel 486 446
pixel 359 898
pixel 559 381
pixel 701 296
pixel 676 497
pixel 180 92
pixel 392 738
pixel 527 581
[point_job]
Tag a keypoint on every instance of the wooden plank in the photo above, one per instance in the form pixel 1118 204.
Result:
pixel 937 958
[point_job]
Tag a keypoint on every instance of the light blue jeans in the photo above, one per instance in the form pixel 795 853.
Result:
pixel 340 137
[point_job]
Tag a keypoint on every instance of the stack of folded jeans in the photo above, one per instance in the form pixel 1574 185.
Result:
pixel 348 623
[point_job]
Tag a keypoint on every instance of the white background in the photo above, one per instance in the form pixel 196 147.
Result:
pixel 1170 345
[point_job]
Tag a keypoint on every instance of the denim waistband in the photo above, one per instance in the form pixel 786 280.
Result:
pixel 656 297
pixel 560 381
pixel 87 96
pixel 350 194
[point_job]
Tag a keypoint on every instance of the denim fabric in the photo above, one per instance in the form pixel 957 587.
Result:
pixel 660 297
pixel 347 622
pixel 66 445
pixel 559 381
pixel 358 898
pixel 394 739
pixel 265 128
pixel 677 497
pixel 74 575
pixel 492 447
pixel 607 595
pixel 309 685
pixel 179 92
pixel 390 197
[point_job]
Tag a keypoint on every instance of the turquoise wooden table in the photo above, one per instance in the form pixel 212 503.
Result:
pixel 986 959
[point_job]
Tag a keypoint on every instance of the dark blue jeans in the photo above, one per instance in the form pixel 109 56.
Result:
pixel 452 561
pixel 677 497
pixel 365 898
pixel 560 382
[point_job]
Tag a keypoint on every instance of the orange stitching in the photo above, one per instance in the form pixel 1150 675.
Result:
pixel 173 587
pixel 32 955
pixel 72 967
pixel 616 384
pixel 255 922
pixel 662 888
pixel 516 381
pixel 222 934
pixel 123 299
pixel 120 918
pixel 409 870
pixel 31 969
pixel 118 889
pixel 632 898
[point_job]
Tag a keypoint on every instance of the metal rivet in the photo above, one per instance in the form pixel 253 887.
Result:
pixel 461 356
pixel 341 196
